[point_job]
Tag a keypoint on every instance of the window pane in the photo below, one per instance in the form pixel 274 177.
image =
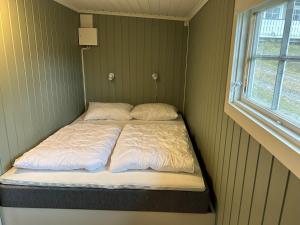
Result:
pixel 263 83
pixel 294 42
pixel 290 95
pixel 271 31
pixel 269 46
pixel 296 15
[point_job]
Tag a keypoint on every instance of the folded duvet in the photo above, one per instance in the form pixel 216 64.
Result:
pixel 161 147
pixel 78 146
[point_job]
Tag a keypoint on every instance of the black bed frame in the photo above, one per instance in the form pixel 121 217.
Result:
pixel 104 199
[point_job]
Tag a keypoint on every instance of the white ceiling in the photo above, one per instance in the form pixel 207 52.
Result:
pixel 163 9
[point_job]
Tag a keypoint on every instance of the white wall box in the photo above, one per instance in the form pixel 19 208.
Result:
pixel 88 36
pixel 86 20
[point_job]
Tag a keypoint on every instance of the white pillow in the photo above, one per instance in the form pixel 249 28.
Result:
pixel 108 111
pixel 154 111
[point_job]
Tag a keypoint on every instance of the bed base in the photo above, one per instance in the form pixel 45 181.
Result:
pixel 38 216
pixel 104 199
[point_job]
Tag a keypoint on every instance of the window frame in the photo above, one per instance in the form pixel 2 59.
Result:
pixel 282 59
pixel 279 137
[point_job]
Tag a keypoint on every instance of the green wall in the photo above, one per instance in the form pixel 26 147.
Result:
pixel 40 73
pixel 251 186
pixel 134 48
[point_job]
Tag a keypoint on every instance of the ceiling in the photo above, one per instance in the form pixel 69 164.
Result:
pixel 162 9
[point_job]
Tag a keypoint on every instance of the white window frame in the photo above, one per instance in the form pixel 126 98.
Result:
pixel 282 58
pixel 279 136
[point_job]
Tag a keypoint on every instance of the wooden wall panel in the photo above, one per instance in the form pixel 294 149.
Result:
pixel 290 211
pixel 133 49
pixel 40 73
pixel 5 154
pixel 276 193
pixel 251 186
pixel 261 186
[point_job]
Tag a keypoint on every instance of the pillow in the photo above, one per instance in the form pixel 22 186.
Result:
pixel 108 111
pixel 154 111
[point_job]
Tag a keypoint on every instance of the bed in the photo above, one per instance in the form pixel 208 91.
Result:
pixel 141 191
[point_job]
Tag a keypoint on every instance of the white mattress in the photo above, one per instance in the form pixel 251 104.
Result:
pixel 144 179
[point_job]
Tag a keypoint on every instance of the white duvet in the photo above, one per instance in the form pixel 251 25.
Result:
pixel 162 147
pixel 77 146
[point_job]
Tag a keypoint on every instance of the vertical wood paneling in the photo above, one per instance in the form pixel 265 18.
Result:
pixel 229 165
pixel 249 182
pixel 133 49
pixel 17 71
pixel 5 157
pixel 224 156
pixel 259 198
pixel 149 37
pixel 26 86
pixel 290 213
pixel 251 186
pixel 8 95
pixel 5 154
pixel 140 49
pixel 233 213
pixel 132 30
pixel 276 193
pixel 40 73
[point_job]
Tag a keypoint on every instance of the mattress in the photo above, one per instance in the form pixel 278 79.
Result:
pixel 142 179
pixel 145 190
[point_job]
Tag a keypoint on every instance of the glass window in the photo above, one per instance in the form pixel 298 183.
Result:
pixel 296 15
pixel 274 13
pixel 272 80
pixel 264 77
pixel 289 104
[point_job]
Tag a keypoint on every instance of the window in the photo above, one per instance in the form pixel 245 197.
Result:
pixel 272 80
pixel 263 91
pixel 271 83
pixel 296 16
pixel 274 13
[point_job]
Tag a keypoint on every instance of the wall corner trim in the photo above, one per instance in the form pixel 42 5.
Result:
pixel 67 5
pixel 196 9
